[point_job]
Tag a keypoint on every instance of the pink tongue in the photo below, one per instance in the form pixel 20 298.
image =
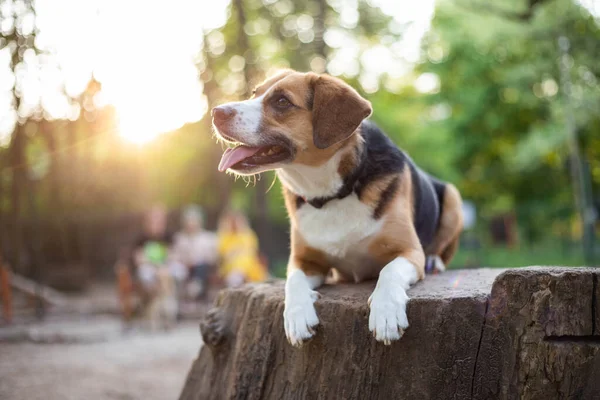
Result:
pixel 234 156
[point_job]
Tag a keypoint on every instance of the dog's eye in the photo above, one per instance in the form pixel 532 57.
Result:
pixel 282 102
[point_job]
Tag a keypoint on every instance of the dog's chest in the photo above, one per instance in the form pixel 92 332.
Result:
pixel 341 228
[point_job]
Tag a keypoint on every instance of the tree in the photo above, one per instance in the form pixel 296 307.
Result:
pixel 499 78
pixel 18 41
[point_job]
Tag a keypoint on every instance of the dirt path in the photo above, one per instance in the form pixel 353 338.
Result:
pixel 133 366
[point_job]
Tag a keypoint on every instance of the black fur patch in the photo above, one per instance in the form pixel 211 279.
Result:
pixel 380 157
pixel 386 196
pixel 349 185
pixel 299 202
pixel 440 191
pixel 384 157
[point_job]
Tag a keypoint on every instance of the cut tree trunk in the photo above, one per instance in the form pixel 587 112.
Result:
pixel 529 333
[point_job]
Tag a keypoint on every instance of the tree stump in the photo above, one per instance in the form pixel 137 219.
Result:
pixel 529 333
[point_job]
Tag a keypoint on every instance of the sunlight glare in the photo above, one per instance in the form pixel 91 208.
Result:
pixel 143 53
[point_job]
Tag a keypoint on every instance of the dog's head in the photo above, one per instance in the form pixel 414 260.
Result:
pixel 292 117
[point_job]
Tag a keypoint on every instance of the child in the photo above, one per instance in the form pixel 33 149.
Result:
pixel 195 248
pixel 152 250
pixel 238 248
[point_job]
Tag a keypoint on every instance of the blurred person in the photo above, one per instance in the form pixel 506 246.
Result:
pixel 163 307
pixel 152 251
pixel 238 249
pixel 196 248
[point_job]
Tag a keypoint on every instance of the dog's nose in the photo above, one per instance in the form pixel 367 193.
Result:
pixel 222 114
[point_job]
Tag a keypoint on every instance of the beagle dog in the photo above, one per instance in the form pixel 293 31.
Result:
pixel 358 206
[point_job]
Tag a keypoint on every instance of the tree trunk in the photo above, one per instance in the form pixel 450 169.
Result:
pixel 77 182
pixel 55 199
pixel 18 165
pixel 526 333
pixel 17 158
pixel 68 169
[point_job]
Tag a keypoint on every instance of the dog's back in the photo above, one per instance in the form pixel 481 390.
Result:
pixel 384 157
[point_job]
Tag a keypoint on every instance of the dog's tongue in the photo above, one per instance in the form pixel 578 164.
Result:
pixel 234 156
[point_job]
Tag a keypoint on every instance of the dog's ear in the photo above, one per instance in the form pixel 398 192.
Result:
pixel 337 110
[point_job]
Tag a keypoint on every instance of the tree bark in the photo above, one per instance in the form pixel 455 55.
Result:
pixel 541 339
pixel 474 334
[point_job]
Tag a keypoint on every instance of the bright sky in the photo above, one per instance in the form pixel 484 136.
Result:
pixel 143 53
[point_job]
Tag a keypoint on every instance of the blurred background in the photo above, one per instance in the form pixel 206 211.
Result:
pixel 104 112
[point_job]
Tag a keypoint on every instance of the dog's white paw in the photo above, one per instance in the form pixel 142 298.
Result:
pixel 388 319
pixel 300 317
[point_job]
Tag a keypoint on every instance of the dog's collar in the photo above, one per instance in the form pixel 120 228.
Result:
pixel 348 186
pixel 319 202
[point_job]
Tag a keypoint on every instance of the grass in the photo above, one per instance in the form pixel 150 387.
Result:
pixel 501 257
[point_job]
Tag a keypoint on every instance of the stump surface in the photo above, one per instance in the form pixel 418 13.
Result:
pixel 484 333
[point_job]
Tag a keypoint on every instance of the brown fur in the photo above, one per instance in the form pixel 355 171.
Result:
pixel 310 260
pixel 263 87
pixel 308 127
pixel 372 192
pixel 337 111
pixel 350 159
pixel 290 204
pixel 445 242
pixel 398 237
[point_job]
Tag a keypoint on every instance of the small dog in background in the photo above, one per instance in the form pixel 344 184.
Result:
pixel 161 310
pixel 356 202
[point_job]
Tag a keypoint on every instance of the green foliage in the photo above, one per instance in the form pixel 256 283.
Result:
pixel 495 126
pixel 500 78
pixel 540 254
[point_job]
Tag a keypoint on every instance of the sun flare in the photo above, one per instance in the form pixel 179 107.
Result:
pixel 147 67
pixel 154 85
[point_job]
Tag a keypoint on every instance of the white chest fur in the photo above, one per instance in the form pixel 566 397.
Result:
pixel 341 228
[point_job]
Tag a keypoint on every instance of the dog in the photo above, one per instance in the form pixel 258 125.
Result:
pixel 357 204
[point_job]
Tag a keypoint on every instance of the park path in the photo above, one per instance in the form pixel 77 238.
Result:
pixel 115 366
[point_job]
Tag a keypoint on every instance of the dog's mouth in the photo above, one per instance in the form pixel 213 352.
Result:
pixel 243 158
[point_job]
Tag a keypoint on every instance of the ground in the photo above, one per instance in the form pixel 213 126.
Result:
pixel 123 366
pixel 82 351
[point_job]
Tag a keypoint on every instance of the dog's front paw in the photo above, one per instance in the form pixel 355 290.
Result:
pixel 300 317
pixel 388 318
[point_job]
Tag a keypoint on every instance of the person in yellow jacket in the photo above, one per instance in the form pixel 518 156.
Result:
pixel 238 251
